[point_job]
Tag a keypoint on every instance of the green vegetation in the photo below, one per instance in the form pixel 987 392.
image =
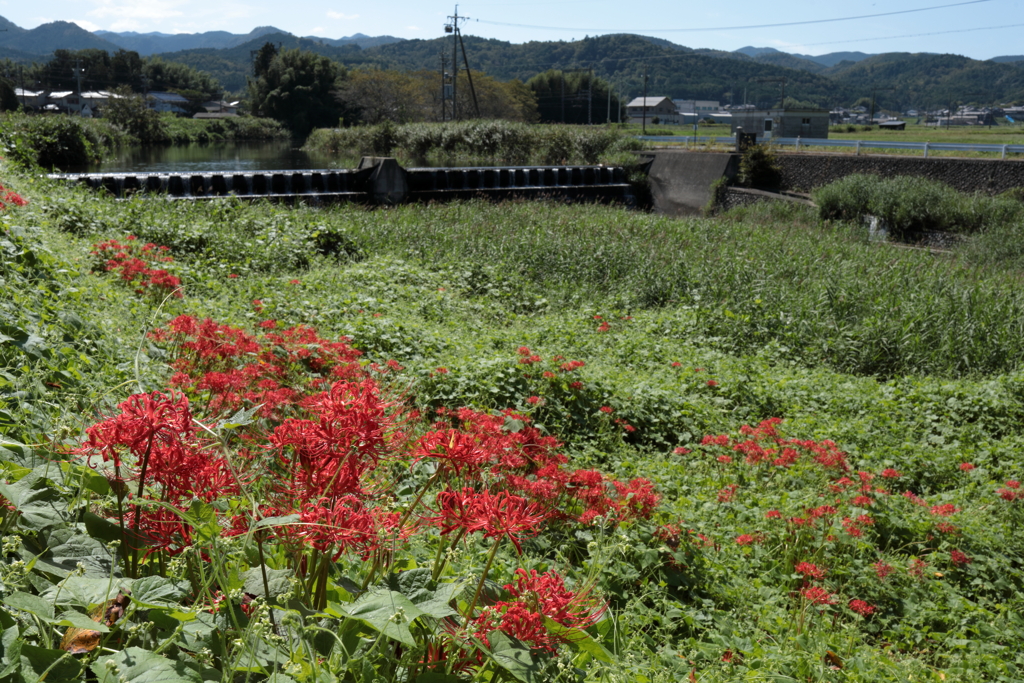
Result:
pixel 910 205
pixel 64 142
pixel 478 142
pixel 788 453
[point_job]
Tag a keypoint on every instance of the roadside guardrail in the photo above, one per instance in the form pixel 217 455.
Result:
pixel 857 145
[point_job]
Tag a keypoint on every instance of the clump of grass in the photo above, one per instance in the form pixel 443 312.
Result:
pixel 911 205
pixel 475 142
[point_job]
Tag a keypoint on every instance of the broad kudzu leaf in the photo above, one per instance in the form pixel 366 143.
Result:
pixel 84 591
pixel 74 619
pixel 415 584
pixel 57 666
pixel 40 507
pixel 26 602
pixel 277 581
pixel 135 665
pixel 159 592
pixel 514 657
pixel 70 548
pixel 387 612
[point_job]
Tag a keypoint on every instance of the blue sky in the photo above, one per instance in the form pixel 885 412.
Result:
pixel 981 29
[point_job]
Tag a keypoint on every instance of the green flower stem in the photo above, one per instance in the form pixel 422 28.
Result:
pixel 483 577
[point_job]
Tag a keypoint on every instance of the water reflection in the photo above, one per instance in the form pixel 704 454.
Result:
pixel 214 157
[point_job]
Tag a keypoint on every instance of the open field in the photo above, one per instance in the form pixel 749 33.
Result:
pixel 783 453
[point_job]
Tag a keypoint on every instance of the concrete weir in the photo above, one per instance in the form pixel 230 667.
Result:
pixel 681 180
pixel 377 180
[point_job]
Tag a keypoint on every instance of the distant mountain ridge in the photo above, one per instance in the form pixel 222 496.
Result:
pixel 768 54
pixel 147 44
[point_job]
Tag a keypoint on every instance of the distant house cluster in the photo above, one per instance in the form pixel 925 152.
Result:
pixel 960 116
pixel 676 112
pixel 90 104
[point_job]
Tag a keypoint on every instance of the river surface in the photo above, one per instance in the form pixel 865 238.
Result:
pixel 214 157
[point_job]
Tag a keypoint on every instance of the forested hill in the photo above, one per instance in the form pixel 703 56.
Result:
pixel 672 69
pixel 927 80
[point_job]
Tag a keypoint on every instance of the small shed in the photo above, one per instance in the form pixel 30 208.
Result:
pixel 782 123
pixel 893 125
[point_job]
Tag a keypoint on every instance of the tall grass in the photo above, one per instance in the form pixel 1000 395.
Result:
pixel 474 142
pixel 909 204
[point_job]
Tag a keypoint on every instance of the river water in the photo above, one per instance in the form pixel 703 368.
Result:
pixel 214 157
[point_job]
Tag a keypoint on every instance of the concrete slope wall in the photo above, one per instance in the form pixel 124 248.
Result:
pixel 805 172
pixel 681 180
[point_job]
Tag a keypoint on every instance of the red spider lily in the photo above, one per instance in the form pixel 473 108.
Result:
pixel 533 597
pixel 340 525
pixel 816 595
pixel 496 515
pixel 944 510
pixel 966 467
pixel 329 456
pixel 890 473
pixel 152 427
pixel 958 558
pixel 810 570
pixel 862 608
pixel 883 569
pixel 453 450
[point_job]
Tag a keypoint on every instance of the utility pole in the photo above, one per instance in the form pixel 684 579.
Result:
pixel 78 78
pixel 871 119
pixel 590 98
pixel 608 119
pixel 775 80
pixel 562 79
pixel 644 129
pixel 453 27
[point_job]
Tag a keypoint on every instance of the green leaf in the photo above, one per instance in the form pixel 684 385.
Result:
pixel 78 620
pixel 33 604
pixel 387 612
pixel 84 591
pixel 417 585
pixel 57 666
pixel 277 521
pixel 514 657
pixel 277 581
pixel 159 592
pixel 241 418
pixel 579 639
pixel 40 506
pixel 136 665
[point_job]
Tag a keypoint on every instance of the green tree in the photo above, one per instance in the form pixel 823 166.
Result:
pixel 297 88
pixel 8 98
pixel 574 97
pixel 129 111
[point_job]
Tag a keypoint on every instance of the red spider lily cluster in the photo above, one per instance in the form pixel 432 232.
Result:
pixel 534 597
pixel 846 515
pixel 10 198
pixel 319 445
pixel 135 263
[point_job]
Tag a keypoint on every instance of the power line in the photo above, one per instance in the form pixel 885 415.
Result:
pixel 914 35
pixel 733 28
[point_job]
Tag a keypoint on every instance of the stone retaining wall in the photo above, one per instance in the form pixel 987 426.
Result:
pixel 805 172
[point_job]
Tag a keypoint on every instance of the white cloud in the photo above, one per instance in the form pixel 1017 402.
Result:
pixel 413 28
pixel 126 12
pixel 315 31
pixel 87 25
pixel 338 15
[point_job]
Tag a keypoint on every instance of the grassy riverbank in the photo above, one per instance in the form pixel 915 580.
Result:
pixel 60 141
pixel 478 143
pixel 871 535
